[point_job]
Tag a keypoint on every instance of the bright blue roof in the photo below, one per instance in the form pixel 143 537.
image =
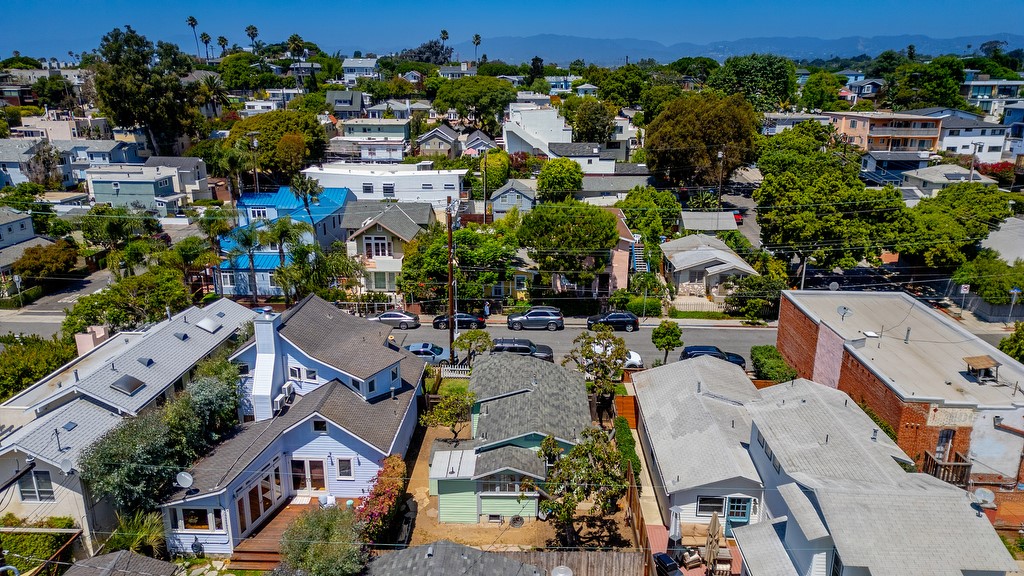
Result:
pixel 328 203
pixel 264 262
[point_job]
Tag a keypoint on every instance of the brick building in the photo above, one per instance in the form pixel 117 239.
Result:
pixel 952 399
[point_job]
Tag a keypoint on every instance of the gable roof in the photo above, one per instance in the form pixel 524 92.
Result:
pixel 394 218
pixel 958 122
pixel 8 215
pixel 16 149
pixel 697 249
pixel 708 221
pixel 695 416
pixel 762 548
pixel 87 422
pixel 866 81
pixel 444 132
pixel 122 562
pixel 90 145
pixel 527 188
pixel 353 345
pixel 186 163
pixel 575 149
pixel 520 395
pixel 509 458
pixel 446 558
pixel 359 62
pixel 357 212
pixel 353 97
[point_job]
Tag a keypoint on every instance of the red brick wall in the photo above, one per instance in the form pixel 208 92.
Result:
pixel 797 338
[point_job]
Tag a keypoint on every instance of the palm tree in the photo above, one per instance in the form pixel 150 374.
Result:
pixel 444 37
pixel 284 231
pixel 214 91
pixel 189 256
pixel 476 44
pixel 307 189
pixel 295 46
pixel 222 41
pixel 205 39
pixel 192 23
pixel 214 223
pixel 252 32
pixel 247 243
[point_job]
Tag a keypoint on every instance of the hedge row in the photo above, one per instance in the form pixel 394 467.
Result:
pixel 26 551
pixel 626 445
pixel 28 296
pixel 380 506
pixel 638 306
pixel 770 365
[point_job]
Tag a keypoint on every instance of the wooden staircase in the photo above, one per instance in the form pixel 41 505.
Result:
pixel 263 560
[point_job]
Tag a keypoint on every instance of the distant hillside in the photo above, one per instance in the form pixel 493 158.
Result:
pixel 564 49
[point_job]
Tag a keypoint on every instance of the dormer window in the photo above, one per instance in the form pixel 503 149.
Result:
pixel 371 386
pixel 320 426
pixel 394 374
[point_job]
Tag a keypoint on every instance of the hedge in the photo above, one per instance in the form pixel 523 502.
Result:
pixel 651 308
pixel 626 445
pixel 26 551
pixel 770 365
pixel 28 296
pixel 380 506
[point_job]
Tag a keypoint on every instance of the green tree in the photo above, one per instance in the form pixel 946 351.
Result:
pixel 237 71
pixel 140 532
pixel 474 342
pixel 917 85
pixel 484 259
pixel 26 358
pixel 127 464
pixel 652 213
pixel 558 179
pixel 107 226
pixel 699 68
pixel 540 86
pixel 44 167
pixel 482 96
pixel 809 150
pixel 476 44
pixel 140 85
pixel 683 142
pixel 756 298
pixel 129 303
pixel 307 190
pixel 571 238
pixel 590 471
pixel 821 91
pixel 667 336
pixel 593 122
pixel 189 256
pixel 247 244
pixel 496 169
pixel 1013 345
pixel 214 223
pixel 324 542
pixel 452 411
pixel 654 98
pixel 222 41
pixel 885 63
pixel 272 127
pixel 192 23
pixel 54 92
pixel 252 32
pixel 767 81
pixel 46 264
pixel 206 39
pixel 600 354
pixel 624 85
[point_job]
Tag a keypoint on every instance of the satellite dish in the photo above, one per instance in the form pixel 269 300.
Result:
pixel 984 496
pixel 67 466
pixel 184 479
pixel 833 286
pixel 844 311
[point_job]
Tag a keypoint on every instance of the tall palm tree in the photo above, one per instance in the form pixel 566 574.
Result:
pixel 444 36
pixel 296 45
pixel 222 41
pixel 308 190
pixel 476 44
pixel 205 39
pixel 215 92
pixel 284 231
pixel 189 256
pixel 252 32
pixel 192 23
pixel 214 223
pixel 247 243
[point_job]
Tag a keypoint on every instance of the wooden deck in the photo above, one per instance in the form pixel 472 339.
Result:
pixel 262 550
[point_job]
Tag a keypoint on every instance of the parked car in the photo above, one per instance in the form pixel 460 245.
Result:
pixel 397 318
pixel 633 359
pixel 738 217
pixel 665 565
pixel 617 319
pixel 433 354
pixel 539 317
pixel 523 347
pixel 462 320
pixel 162 237
pixel 695 351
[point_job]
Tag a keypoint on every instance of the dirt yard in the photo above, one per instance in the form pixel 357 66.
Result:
pixel 613 532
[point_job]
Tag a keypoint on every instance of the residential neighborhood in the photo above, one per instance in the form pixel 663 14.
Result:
pixel 378 302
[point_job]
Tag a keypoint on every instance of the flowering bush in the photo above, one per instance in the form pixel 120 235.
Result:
pixel 1001 171
pixel 378 509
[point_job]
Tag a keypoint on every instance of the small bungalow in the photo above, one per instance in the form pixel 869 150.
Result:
pixel 123 562
pixel 326 397
pixel 699 264
pixel 519 194
pixel 519 401
pixel 476 143
pixel 441 141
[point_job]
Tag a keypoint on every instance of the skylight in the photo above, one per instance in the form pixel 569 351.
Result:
pixel 127 384
pixel 209 324
pixel 71 425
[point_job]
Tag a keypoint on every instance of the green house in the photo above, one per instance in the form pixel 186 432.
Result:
pixel 519 402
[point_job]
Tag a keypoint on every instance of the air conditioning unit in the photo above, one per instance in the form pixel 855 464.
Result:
pixel 288 390
pixel 279 402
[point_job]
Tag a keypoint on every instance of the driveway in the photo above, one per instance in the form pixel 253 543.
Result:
pixel 749 228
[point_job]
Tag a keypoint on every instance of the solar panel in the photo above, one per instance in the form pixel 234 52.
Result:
pixel 127 384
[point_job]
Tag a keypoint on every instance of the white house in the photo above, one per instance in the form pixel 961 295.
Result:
pixel 699 263
pixel 400 182
pixel 356 68
pixel 593 158
pixel 934 178
pixel 531 129
pixel 462 70
pixel 961 136
pixel 14 153
pixel 254 107
pixel 693 425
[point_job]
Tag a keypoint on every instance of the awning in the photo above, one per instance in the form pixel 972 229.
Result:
pixel 981 362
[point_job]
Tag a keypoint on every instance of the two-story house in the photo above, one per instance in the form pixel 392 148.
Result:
pixel 520 401
pixel 888 131
pixel 462 70
pixel 356 68
pixel 326 397
pixel 593 158
pixel 377 233
pixel 46 427
pixel 398 182
pixel 191 178
pixel 400 109
pixel 561 84
pixel 16 234
pixel 134 186
pixel 983 139
pixel 439 141
pixel 991 95
pixel 346 104
pixel 14 153
pixel 85 154
pixel 372 139
pixel 518 194
pixel 532 129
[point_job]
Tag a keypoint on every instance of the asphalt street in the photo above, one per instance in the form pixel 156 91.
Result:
pixel 731 339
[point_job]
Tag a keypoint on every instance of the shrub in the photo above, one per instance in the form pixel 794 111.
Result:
pixel 626 445
pixel 324 541
pixel 380 506
pixel 28 296
pixel 644 307
pixel 770 365
pixel 141 532
pixel 28 550
pixel 697 314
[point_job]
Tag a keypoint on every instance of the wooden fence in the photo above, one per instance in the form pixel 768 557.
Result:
pixel 585 563
pixel 625 406
pixel 635 518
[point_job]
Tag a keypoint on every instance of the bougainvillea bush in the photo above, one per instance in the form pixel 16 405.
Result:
pixel 378 509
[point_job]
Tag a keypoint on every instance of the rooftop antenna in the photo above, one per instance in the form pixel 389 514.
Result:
pixel 844 311
pixel 57 434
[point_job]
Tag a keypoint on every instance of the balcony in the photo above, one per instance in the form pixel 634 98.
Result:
pixel 890 131
pixel 956 471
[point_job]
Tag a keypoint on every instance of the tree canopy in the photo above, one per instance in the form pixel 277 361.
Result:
pixel 767 81
pixel 821 92
pixel 273 127
pixel 558 179
pixel 1013 345
pixel 483 96
pixel 593 122
pixel 570 238
pixel 484 260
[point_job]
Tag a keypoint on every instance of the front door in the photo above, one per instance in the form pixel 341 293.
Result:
pixel 308 476
pixel 943 450
pixel 737 514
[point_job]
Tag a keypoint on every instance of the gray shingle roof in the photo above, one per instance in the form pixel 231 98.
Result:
pixel 694 414
pixel 16 149
pixel 821 432
pixel 575 149
pixel 89 145
pixel 763 552
pixel 8 215
pixel 631 169
pixel 620 182
pixel 354 97
pixel 802 511
pixel 708 221
pixel 446 558
pixel 353 345
pixel 179 162
pixel 699 249
pixel 442 131
pixel 123 562
pixel 393 217
pixel 955 122
pixel 171 355
pixel 357 212
pixel 509 457
pixel 521 395
pixel 527 188
pixel 37 438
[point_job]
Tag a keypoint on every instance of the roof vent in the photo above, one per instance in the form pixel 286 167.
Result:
pixel 147 362
pixel 127 384
pixel 430 552
pixel 220 314
pixel 181 336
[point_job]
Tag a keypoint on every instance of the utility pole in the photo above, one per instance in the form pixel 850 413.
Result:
pixel 451 283
pixel 485 186
pixel 720 168
pixel 974 151
pixel 255 159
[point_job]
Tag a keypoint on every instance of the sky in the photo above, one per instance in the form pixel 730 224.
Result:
pixel 45 28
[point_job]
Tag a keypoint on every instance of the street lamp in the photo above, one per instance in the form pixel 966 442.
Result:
pixel 720 168
pixel 1014 294
pixel 255 168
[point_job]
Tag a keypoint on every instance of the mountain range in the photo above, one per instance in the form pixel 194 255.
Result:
pixel 554 48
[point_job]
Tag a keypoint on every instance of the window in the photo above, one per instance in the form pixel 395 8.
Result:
pixel 837 564
pixel 36 487
pixel 320 426
pixel 243 368
pixel 760 439
pixel 502 483
pixel 23 224
pixel 954 132
pixel 310 375
pixel 371 386
pixel 427 186
pixel 295 373
pixel 853 123
pixel 272 280
pixel 367 188
pixel 708 505
pixel 498 290
pixel 115 185
pixel 520 282
pixel 345 469
pixel 258 213
pixel 768 451
pixel 394 374
pixel 506 198
pixel 990 149
pixel 389 189
pixel 449 186
pixel 374 246
pixel 590 160
pixel 195 518
pixel 227 279
pixel 778 465
pixel 950 148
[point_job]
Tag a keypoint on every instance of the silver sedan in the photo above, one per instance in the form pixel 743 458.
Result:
pixel 397 318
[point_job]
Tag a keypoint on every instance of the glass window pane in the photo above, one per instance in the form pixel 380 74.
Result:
pixel 242 520
pixel 344 468
pixel 267 492
pixel 218 519
pixel 316 475
pixel 254 504
pixel 298 474
pixel 195 518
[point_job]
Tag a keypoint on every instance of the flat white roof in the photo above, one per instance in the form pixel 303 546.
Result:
pixel 453 464
pixel 344 168
pixel 930 365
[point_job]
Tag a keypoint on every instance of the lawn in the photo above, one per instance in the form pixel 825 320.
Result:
pixel 698 315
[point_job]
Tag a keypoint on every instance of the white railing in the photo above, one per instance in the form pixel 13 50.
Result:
pixel 455 372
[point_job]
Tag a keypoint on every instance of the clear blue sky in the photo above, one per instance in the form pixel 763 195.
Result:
pixel 47 28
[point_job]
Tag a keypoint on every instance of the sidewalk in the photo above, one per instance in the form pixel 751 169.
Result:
pixel 972 323
pixel 648 322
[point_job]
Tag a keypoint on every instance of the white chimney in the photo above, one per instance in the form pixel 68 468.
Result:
pixel 267 373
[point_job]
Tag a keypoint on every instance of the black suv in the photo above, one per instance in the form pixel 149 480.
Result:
pixel 523 347
pixel 695 351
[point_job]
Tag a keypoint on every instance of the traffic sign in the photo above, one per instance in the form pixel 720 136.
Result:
pixel 965 288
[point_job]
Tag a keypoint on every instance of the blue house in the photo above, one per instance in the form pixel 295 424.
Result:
pixel 326 397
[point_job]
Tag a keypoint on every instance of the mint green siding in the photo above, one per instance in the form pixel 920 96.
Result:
pixel 508 505
pixel 474 417
pixel 433 487
pixel 456 501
